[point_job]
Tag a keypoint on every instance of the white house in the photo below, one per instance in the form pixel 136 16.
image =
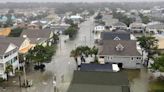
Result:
pixel 119 25
pixel 137 27
pixel 76 18
pixel 97 31
pixel 8 56
pixel 155 27
pixel 121 52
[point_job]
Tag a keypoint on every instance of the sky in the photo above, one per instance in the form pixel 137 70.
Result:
pixel 78 0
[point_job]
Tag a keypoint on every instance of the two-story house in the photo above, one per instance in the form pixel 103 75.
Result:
pixel 119 25
pixel 23 44
pixel 137 27
pixel 116 35
pixel 8 56
pixel 121 52
pixel 42 36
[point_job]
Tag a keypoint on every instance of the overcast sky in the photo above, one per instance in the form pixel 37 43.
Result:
pixel 78 0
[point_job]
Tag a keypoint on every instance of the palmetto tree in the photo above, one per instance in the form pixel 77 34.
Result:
pixel 9 68
pixel 149 44
pixel 158 64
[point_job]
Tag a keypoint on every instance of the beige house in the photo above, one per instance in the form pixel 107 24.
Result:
pixel 5 31
pixel 23 44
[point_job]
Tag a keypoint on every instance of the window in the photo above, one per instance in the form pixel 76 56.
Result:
pixel 138 63
pixel 132 58
pixel 101 56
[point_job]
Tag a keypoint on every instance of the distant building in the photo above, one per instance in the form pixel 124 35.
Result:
pixel 155 27
pixel 119 25
pixel 5 31
pixel 137 27
pixel 42 37
pixel 76 18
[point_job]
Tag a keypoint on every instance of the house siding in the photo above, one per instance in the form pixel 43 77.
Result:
pixel 130 62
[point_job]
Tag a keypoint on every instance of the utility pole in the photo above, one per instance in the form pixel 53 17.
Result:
pixel 85 40
pixel 24 72
pixel 54 83
pixel 60 42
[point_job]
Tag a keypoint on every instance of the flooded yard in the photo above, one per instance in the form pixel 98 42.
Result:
pixel 140 81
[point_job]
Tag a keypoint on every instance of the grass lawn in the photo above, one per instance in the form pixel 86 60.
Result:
pixel 157 86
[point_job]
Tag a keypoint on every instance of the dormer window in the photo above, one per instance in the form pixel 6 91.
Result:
pixel 117 38
pixel 119 47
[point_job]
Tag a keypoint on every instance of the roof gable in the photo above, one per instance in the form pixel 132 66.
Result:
pixel 128 48
pixel 115 35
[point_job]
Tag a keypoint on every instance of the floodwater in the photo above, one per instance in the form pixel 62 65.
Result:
pixel 62 66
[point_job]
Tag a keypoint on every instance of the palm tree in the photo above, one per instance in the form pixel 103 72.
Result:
pixel 9 68
pixel 149 44
pixel 75 54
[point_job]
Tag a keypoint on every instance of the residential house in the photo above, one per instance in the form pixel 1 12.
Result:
pixel 23 44
pixel 8 56
pixel 137 27
pixel 97 30
pixel 59 28
pixel 155 27
pixel 121 52
pixel 109 20
pixel 119 25
pixel 91 81
pixel 116 35
pixel 76 18
pixel 42 37
pixel 5 31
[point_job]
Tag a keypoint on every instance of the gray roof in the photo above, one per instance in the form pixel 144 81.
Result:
pixel 96 67
pixel 156 26
pixel 120 24
pixel 37 40
pixel 15 40
pixel 109 48
pixel 3 47
pixel 111 35
pixel 37 33
pixel 99 82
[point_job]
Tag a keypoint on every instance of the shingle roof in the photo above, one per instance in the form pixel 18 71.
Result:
pixel 109 48
pixel 111 35
pixel 15 40
pixel 120 24
pixel 96 67
pixel 137 24
pixel 99 82
pixel 37 33
pixel 3 47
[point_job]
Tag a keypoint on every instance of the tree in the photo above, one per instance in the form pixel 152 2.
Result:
pixel 82 51
pixel 40 54
pixel 99 16
pixel 72 30
pixel 158 64
pixel 55 38
pixel 149 44
pixel 122 18
pixel 145 19
pixel 9 68
pixel 16 32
